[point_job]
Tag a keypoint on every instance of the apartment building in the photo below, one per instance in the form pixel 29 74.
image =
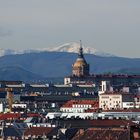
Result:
pixel 116 100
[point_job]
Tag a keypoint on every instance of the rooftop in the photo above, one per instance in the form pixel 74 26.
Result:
pixel 70 103
pixel 103 134
pixel 9 116
pixel 111 76
pixel 123 110
pixel 117 93
pixel 97 123
pixel 38 131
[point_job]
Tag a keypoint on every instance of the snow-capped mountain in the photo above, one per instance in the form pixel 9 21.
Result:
pixel 7 52
pixel 4 52
pixel 67 47
pixel 74 48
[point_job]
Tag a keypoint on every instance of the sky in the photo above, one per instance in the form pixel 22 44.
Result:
pixel 112 26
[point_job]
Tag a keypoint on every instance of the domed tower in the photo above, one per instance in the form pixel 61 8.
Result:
pixel 80 67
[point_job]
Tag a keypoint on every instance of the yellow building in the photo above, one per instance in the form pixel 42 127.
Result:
pixel 116 100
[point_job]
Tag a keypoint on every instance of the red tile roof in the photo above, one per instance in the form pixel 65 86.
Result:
pixel 91 110
pixel 9 116
pixel 137 96
pixel 103 134
pixel 33 115
pixel 70 103
pixel 111 123
pixel 99 123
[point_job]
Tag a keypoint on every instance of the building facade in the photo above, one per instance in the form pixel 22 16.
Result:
pixel 79 106
pixel 115 100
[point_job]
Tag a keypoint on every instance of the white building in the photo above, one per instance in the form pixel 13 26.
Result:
pixel 1 107
pixel 137 101
pixel 19 105
pixel 67 81
pixel 115 100
pixel 105 86
pixel 77 106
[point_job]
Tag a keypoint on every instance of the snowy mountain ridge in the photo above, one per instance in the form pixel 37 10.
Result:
pixel 72 47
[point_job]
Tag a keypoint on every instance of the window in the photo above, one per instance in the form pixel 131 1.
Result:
pixel 105 97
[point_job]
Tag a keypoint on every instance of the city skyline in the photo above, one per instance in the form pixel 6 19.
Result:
pixel 109 26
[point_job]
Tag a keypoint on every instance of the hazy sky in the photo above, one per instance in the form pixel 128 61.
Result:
pixel 112 26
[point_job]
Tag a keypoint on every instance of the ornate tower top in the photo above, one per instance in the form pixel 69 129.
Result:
pixel 80 67
pixel 80 55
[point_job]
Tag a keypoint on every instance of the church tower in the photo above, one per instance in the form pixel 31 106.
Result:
pixel 80 67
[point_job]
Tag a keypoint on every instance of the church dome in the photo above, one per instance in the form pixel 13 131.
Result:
pixel 80 67
pixel 80 62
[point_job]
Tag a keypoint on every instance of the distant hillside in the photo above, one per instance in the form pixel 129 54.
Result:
pixel 129 71
pixel 17 73
pixel 58 64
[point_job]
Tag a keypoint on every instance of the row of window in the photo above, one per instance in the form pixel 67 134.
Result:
pixel 107 97
pixel 113 101
pixel 115 106
pixel 81 106
pixel 73 110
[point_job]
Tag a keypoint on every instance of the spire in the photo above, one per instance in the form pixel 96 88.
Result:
pixel 80 50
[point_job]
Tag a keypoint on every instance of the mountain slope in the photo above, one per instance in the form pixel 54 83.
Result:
pixel 129 71
pixel 17 73
pixel 58 64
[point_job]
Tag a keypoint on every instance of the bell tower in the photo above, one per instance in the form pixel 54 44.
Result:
pixel 80 67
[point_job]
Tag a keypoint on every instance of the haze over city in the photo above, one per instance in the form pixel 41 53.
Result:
pixel 69 70
pixel 109 26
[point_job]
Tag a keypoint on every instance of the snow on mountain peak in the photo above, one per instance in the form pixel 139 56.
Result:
pixel 4 52
pixel 72 47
